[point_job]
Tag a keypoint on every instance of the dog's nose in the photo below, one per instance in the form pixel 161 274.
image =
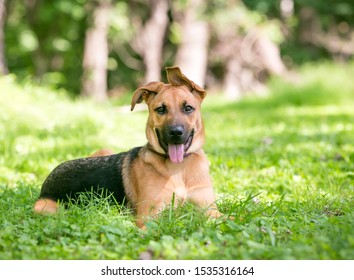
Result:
pixel 176 131
pixel 174 134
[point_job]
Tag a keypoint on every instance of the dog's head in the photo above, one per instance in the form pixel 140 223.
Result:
pixel 175 127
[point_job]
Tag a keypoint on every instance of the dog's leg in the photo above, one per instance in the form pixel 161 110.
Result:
pixel 142 214
pixel 145 211
pixel 46 206
pixel 148 210
pixel 154 204
pixel 203 197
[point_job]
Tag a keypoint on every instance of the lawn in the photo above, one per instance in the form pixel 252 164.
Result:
pixel 282 165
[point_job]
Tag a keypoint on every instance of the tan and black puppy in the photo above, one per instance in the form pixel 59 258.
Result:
pixel 172 162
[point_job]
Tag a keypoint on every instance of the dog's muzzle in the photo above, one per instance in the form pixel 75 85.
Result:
pixel 175 140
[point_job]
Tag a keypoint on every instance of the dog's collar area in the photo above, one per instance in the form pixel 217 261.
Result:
pixel 151 148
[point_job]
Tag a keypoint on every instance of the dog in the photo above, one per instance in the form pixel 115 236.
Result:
pixel 171 164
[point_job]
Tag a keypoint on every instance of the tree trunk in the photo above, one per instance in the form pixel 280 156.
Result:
pixel 94 79
pixel 3 66
pixel 269 55
pixel 192 53
pixel 248 61
pixel 40 57
pixel 232 85
pixel 149 41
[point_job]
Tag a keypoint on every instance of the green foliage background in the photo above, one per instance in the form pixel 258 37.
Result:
pixel 59 42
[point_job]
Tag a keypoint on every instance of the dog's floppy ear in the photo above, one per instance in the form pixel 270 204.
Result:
pixel 144 92
pixel 177 78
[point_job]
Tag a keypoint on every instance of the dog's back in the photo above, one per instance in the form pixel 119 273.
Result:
pixel 103 174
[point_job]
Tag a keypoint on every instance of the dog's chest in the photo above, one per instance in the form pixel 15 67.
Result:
pixel 176 184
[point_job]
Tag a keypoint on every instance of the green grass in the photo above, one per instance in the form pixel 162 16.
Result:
pixel 282 165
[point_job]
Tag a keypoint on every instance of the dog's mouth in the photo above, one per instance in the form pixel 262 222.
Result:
pixel 176 152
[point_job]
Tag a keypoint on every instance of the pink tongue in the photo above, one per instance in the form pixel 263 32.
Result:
pixel 176 152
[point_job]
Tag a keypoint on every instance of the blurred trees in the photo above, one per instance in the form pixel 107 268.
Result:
pixel 3 66
pixel 149 38
pixel 95 57
pixel 114 45
pixel 245 48
pixel 45 39
pixel 193 32
pixel 312 29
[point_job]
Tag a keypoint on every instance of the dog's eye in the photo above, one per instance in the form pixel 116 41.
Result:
pixel 161 110
pixel 188 109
